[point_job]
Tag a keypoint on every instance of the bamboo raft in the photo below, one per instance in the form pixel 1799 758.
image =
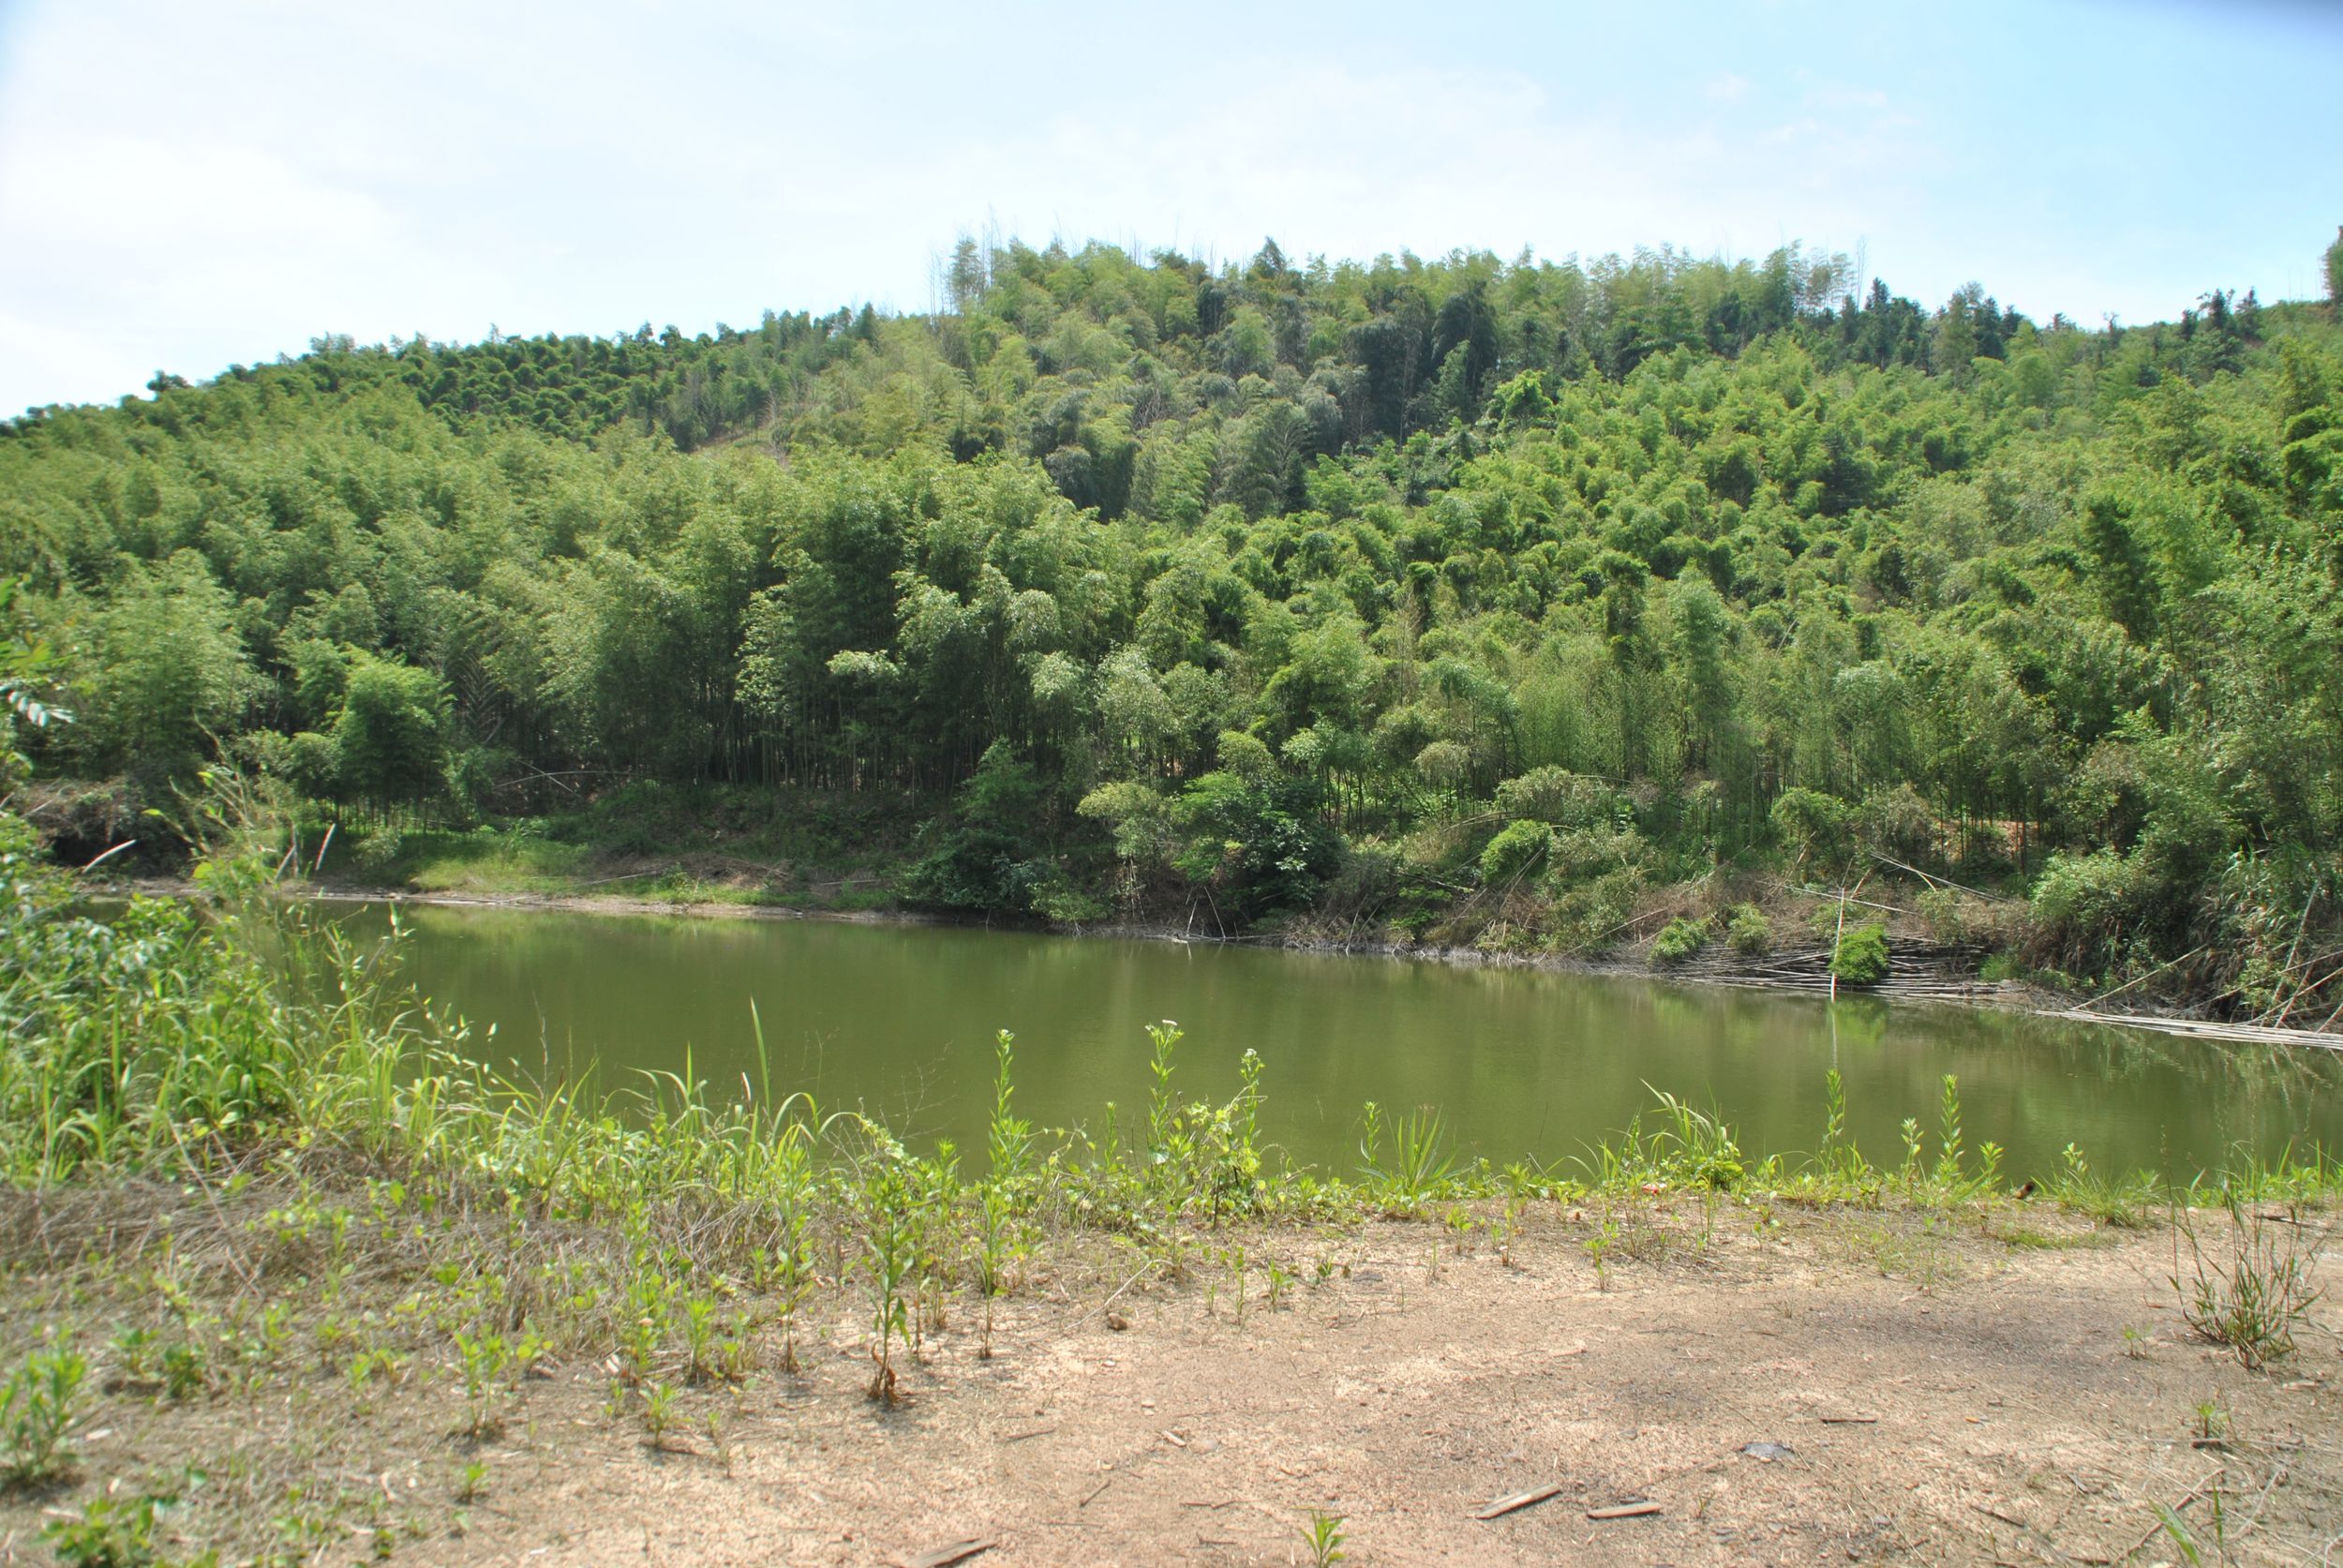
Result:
pixel 2205 1028
pixel 1914 974
pixel 1946 974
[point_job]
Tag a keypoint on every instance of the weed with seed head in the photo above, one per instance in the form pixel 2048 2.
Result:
pixel 1002 1232
pixel 1168 1147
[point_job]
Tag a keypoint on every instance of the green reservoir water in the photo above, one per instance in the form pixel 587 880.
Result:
pixel 899 1020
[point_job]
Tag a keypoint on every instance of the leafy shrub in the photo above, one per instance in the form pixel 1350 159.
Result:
pixel 380 851
pixel 982 860
pixel 1367 880
pixel 1749 932
pixel 114 1533
pixel 1897 822
pixel 1266 845
pixel 1583 854
pixel 1679 940
pixel 2082 906
pixel 1518 849
pixel 1588 914
pixel 1141 819
pixel 1941 908
pixel 1558 796
pixel 37 1411
pixel 1861 958
pixel 1815 824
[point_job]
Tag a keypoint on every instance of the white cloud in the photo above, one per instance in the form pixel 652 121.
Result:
pixel 184 185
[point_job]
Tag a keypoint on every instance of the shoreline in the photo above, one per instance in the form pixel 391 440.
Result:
pixel 410 1311
pixel 1925 987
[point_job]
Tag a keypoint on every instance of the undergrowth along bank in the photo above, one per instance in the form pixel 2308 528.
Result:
pixel 229 1027
pixel 240 1148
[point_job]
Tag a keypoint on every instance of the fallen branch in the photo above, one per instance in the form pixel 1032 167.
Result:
pixel 1624 1511
pixel 1151 1264
pixel 1519 1501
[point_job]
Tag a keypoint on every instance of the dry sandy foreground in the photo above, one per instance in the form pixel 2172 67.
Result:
pixel 1936 1399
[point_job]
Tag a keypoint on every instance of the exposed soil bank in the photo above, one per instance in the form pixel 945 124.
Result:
pixel 2009 1386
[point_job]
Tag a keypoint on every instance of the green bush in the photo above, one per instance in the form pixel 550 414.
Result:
pixel 378 853
pixel 1564 798
pixel 1679 940
pixel 1749 932
pixel 1518 848
pixel 1941 908
pixel 1861 958
pixel 1817 825
pixel 37 1411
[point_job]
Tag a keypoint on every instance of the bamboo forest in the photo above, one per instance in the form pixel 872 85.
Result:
pixel 1519 605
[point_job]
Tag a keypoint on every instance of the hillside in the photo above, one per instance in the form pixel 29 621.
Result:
pixel 1528 604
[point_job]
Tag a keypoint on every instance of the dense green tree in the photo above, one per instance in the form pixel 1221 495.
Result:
pixel 1280 585
pixel 389 741
pixel 163 673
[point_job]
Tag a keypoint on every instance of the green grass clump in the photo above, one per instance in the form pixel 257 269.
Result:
pixel 2252 1294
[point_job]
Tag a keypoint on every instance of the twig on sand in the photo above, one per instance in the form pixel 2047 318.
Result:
pixel 1624 1511
pixel 1505 1506
pixel 1150 1264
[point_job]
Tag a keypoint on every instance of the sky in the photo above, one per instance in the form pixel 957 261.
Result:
pixel 187 187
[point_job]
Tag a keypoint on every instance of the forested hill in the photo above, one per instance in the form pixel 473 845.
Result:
pixel 1479 599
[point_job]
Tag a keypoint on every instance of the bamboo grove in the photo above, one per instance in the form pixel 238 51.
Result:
pixel 1356 593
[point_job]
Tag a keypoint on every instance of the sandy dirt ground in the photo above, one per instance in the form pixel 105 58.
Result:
pixel 1984 1395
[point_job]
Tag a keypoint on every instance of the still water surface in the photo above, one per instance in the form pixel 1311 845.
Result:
pixel 899 1020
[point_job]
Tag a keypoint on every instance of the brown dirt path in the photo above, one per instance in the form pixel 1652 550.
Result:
pixel 2012 1419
